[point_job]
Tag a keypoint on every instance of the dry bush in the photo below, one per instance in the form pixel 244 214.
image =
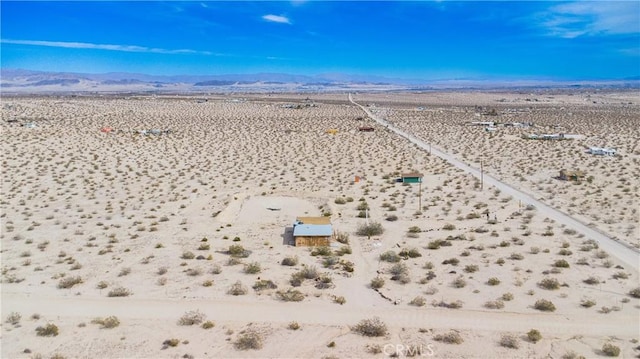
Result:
pixel 263 284
pixel 377 283
pixel 494 304
pixel 68 282
pixel 371 229
pixel 294 326
pixel 592 281
pixel 451 337
pixel 534 335
pixel 635 292
pixel 610 350
pixel 544 305
pixel 192 317
pixel 410 253
pixel 119 292
pixel 13 318
pixel 549 283
pixel 561 263
pixel 252 268
pixel 238 251
pixel 290 295
pixel 493 281
pixel 471 268
pixel 371 327
pixel 208 324
pixel 587 303
pixel 49 330
pixel 108 322
pixel 171 342
pixel 459 282
pixel 451 305
pixel 237 289
pixel 509 341
pixel 289 261
pixel 418 301
pixel 250 339
pixel 390 256
pixel 507 296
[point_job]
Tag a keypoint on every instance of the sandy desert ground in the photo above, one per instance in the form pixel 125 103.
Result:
pixel 124 245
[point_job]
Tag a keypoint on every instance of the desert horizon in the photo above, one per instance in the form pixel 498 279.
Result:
pixel 146 226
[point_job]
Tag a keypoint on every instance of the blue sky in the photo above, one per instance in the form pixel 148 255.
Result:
pixel 419 39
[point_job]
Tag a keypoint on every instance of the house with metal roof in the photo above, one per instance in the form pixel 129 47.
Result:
pixel 312 231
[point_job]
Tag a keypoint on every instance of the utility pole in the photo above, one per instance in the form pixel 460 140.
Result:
pixel 481 176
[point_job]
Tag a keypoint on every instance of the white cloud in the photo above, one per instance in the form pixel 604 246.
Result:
pixel 575 19
pixel 109 47
pixel 277 18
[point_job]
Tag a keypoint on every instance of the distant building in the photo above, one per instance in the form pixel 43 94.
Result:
pixel 312 231
pixel 602 151
pixel 413 177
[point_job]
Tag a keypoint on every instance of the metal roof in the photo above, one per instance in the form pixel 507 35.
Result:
pixel 314 220
pixel 312 230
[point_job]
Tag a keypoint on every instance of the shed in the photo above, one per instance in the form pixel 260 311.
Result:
pixel 602 151
pixel 312 231
pixel 413 177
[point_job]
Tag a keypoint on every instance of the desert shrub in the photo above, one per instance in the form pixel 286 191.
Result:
pixel 371 327
pixel 516 256
pixel 459 282
pixel 398 269
pixel 410 253
pixel 620 275
pixel 215 269
pixel 119 292
pixel 321 251
pixel 187 255
pixel 601 254
pixel 68 282
pixel 451 337
pixel 434 244
pixel 565 252
pixel 324 281
pixel 343 250
pixel 493 281
pixel 171 342
pixel 377 283
pixel 371 229
pixel 290 295
pixel 238 251
pixel 250 339
pixel 237 289
pixel 414 229
pixel 509 341
pixel 391 218
pixel 507 296
pixel 49 330
pixel 534 250
pixel 289 261
pixel 471 268
pixel 549 283
pixel 534 335
pixel 390 256
pixel 192 317
pixel 108 322
pixel 418 301
pixel 544 305
pixel 592 281
pixel 342 237
pixel 13 318
pixel 494 304
pixel 451 305
pixel 449 227
pixel 294 326
pixel 208 324
pixel 587 303
pixel 561 263
pixel 309 272
pixel 340 200
pixel 194 272
pixel 252 268
pixel 610 350
pixel 452 261
pixel 635 292
pixel 263 284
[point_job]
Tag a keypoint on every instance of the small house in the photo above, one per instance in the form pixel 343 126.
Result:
pixel 413 177
pixel 312 231
pixel 575 176
pixel 602 151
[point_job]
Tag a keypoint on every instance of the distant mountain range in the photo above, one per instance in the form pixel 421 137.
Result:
pixel 30 81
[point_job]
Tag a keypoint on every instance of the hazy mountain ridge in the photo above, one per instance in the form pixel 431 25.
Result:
pixel 23 80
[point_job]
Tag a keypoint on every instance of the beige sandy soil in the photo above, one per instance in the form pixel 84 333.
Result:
pixel 154 217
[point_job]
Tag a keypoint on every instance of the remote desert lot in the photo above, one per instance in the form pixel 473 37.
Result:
pixel 176 243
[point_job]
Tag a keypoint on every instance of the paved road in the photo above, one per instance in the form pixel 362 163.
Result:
pixel 623 252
